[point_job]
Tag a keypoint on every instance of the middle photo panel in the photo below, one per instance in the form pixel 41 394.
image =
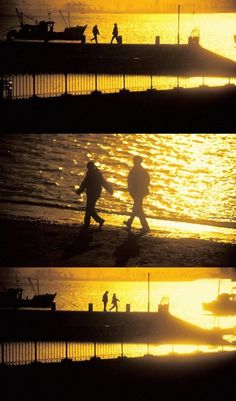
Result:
pixel 116 200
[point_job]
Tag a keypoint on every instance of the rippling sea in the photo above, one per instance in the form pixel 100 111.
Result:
pixel 192 175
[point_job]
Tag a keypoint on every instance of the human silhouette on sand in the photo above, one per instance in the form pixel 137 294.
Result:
pixel 93 184
pixel 138 183
pixel 105 301
pixel 114 303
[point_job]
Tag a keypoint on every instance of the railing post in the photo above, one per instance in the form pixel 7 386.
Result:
pixel 34 86
pixel 66 83
pixel 122 350
pixel 35 351
pixel 94 349
pixel 96 82
pixel 124 81
pixel 151 81
pixel 66 344
pixel 2 352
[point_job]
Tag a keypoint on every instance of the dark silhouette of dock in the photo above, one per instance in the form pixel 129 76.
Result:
pixel 162 59
pixel 131 327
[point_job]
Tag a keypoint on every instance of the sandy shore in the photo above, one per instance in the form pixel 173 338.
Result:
pixel 33 243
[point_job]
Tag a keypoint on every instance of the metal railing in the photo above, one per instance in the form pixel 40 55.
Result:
pixel 22 353
pixel 51 85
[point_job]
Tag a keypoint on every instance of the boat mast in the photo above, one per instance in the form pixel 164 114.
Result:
pixel 219 288
pixel 178 23
pixel 148 292
pixel 20 17
pixel 65 22
pixel 32 285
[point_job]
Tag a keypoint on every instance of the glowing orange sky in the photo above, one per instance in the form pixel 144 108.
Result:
pixel 118 274
pixel 123 5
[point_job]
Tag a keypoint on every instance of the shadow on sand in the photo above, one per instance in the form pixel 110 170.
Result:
pixel 80 243
pixel 129 248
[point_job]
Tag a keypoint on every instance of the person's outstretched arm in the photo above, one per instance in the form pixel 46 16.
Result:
pixel 106 185
pixel 82 187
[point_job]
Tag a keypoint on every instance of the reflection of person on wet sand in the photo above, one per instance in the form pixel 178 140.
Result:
pixel 93 184
pixel 105 301
pixel 114 302
pixel 138 183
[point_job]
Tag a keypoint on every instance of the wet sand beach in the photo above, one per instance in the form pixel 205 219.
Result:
pixel 26 242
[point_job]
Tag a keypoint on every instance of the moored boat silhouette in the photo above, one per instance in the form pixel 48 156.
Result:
pixel 44 31
pixel 13 298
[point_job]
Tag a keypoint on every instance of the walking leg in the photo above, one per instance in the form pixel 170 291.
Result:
pixel 141 215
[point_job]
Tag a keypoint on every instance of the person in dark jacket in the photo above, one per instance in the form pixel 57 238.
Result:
pixel 95 33
pixel 105 301
pixel 114 303
pixel 115 33
pixel 138 183
pixel 93 184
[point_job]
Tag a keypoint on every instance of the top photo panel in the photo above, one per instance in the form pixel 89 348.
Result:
pixel 118 200
pixel 118 66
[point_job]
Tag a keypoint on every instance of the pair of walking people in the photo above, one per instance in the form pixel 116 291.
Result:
pixel 96 32
pixel 114 302
pixel 138 183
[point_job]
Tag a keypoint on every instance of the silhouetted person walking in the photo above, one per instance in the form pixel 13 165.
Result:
pixel 93 184
pixel 115 33
pixel 114 302
pixel 138 183
pixel 95 33
pixel 105 301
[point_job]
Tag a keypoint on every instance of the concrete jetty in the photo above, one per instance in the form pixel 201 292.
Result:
pixel 131 327
pixel 161 59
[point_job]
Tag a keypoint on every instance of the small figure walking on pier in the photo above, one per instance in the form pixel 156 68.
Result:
pixel 114 303
pixel 105 301
pixel 93 184
pixel 95 33
pixel 138 183
pixel 115 33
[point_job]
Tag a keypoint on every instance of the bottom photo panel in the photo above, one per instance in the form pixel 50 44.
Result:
pixel 117 333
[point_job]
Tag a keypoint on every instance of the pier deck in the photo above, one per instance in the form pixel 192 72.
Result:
pixel 136 327
pixel 163 59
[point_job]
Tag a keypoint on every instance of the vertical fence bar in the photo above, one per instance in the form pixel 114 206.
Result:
pixel 96 82
pixel 66 83
pixel 94 349
pixel 122 349
pixel 2 352
pixel 124 81
pixel 66 347
pixel 34 86
pixel 35 351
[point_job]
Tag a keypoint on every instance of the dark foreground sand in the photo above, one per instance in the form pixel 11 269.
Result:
pixel 198 377
pixel 39 244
